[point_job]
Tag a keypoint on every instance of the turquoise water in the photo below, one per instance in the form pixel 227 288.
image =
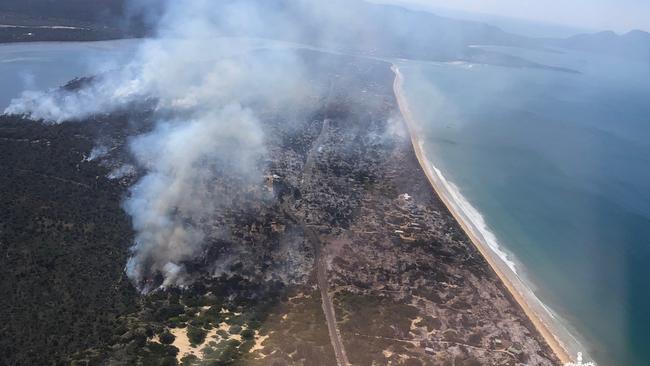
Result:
pixel 559 166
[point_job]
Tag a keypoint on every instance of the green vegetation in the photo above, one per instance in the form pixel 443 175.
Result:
pixel 166 337
pixel 64 240
pixel 248 334
pixel 189 360
pixel 196 335
pixel 235 329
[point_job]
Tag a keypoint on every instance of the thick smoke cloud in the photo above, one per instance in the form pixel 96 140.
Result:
pixel 209 74
pixel 182 158
pixel 205 89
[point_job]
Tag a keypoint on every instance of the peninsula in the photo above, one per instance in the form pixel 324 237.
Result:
pixel 343 254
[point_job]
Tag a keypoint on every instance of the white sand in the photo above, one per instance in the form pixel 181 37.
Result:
pixel 556 335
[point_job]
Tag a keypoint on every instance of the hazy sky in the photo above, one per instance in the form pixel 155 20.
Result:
pixel 617 15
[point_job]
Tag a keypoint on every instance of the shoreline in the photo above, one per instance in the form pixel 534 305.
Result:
pixel 559 340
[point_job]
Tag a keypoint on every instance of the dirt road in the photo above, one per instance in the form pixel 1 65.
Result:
pixel 321 269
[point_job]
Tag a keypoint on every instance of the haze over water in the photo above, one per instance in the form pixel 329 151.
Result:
pixel 557 163
pixel 42 66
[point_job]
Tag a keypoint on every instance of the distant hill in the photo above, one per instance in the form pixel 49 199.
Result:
pixel 634 44
pixel 75 20
pixel 78 10
pixel 348 25
pixel 383 30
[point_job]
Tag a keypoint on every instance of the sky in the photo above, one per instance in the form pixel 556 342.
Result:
pixel 616 15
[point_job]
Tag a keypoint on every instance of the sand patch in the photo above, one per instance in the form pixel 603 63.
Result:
pixel 258 342
pixel 414 327
pixel 185 348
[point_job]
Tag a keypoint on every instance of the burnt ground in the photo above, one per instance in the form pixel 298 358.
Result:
pixel 342 187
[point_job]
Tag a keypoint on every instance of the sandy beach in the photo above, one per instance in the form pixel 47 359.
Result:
pixel 557 337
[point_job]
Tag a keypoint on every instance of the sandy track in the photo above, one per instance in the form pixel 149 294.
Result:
pixel 319 262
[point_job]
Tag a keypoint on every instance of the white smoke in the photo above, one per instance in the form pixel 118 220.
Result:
pixel 183 158
pixel 207 88
pixel 209 92
pixel 181 74
pixel 97 152
pixel 126 170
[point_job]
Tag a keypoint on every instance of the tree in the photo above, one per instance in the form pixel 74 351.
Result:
pixel 166 337
pixel 196 335
pixel 247 334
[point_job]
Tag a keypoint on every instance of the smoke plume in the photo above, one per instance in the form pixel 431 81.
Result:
pixel 208 74
pixel 182 158
pixel 205 89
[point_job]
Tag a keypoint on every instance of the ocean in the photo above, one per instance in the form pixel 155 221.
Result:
pixel 558 165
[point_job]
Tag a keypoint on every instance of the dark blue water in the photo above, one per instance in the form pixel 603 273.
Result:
pixel 559 166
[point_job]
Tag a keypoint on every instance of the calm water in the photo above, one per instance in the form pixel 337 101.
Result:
pixel 41 66
pixel 559 166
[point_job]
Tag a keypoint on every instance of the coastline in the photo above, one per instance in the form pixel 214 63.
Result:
pixel 558 339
